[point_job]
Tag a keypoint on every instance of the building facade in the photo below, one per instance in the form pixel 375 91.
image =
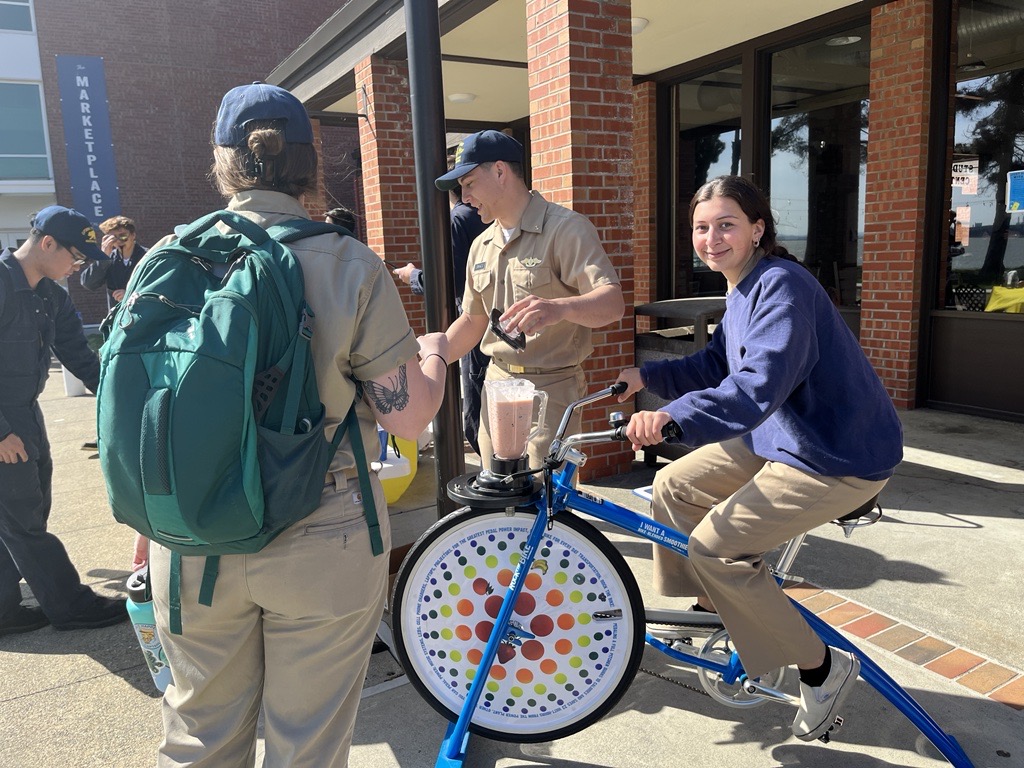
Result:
pixel 114 104
pixel 888 134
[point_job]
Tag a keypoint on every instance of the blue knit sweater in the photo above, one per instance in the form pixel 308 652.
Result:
pixel 783 371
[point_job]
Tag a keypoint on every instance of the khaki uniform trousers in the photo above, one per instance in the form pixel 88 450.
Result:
pixel 562 387
pixel 289 631
pixel 736 506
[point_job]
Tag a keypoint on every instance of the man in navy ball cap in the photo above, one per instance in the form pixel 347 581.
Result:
pixel 70 229
pixel 36 315
pixel 541 271
pixel 483 147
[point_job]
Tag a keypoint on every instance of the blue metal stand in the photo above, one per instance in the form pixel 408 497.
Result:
pixel 456 738
pixel 885 685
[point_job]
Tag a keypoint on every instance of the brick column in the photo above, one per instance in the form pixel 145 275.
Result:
pixel 389 172
pixel 645 190
pixel 580 59
pixel 897 174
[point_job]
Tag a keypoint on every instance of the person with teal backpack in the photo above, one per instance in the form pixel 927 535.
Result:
pixel 243 374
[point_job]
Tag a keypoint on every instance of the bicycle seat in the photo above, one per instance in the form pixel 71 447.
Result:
pixel 868 513
pixel 867 509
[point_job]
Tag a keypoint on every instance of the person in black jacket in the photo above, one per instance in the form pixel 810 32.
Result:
pixel 466 225
pixel 37 315
pixel 123 254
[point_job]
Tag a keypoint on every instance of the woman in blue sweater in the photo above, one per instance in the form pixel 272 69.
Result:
pixel 791 428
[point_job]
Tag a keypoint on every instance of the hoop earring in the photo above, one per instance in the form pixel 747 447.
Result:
pixel 757 242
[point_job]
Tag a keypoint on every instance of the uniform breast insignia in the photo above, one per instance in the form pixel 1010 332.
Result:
pixel 530 262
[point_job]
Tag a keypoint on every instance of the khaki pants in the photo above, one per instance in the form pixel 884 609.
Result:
pixel 562 388
pixel 289 631
pixel 735 506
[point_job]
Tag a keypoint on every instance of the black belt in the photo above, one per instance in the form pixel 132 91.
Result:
pixel 512 368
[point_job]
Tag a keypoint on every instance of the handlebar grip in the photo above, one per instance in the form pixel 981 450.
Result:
pixel 669 431
pixel 618 387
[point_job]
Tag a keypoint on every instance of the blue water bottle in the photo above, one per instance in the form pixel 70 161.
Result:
pixel 140 610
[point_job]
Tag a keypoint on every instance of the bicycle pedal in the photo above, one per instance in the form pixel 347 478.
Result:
pixel 826 737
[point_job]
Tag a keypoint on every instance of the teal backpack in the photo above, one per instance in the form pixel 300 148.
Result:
pixel 210 425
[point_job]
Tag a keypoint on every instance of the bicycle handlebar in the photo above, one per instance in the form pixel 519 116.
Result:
pixel 669 431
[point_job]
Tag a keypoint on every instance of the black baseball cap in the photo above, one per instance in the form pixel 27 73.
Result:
pixel 260 101
pixel 69 228
pixel 483 147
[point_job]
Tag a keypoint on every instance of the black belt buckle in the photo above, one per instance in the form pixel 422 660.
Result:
pixel 517 343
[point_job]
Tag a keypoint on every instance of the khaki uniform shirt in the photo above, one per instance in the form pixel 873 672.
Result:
pixel 360 330
pixel 553 254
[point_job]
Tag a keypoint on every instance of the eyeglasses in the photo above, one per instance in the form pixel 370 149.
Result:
pixel 77 259
pixel 122 238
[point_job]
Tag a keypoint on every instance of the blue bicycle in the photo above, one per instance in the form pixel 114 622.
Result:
pixel 519 621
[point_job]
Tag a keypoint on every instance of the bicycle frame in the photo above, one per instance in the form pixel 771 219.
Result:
pixel 564 496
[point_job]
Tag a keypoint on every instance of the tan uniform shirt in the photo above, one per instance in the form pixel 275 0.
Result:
pixel 553 254
pixel 360 330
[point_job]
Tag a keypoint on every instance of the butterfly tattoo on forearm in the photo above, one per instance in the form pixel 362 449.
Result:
pixel 387 399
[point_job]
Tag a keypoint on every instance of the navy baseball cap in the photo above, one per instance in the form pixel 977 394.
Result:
pixel 260 101
pixel 483 147
pixel 69 228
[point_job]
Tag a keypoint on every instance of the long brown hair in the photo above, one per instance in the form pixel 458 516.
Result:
pixel 752 202
pixel 266 162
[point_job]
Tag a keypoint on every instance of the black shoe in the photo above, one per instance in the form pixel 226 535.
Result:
pixel 102 613
pixel 23 619
pixel 90 445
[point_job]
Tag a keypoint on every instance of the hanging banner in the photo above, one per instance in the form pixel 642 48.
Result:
pixel 90 148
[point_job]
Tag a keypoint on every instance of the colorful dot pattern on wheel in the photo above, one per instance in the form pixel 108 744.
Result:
pixel 568 647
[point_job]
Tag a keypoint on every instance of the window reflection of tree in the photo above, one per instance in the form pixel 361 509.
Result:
pixel 998 141
pixel 832 142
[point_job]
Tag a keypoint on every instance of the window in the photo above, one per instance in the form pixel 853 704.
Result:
pixel 708 145
pixel 22 133
pixel 819 134
pixel 15 15
pixel 986 222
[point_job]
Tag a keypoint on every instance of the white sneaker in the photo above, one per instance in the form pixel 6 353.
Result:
pixel 818 706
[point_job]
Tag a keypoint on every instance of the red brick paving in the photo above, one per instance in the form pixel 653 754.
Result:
pixel 1012 694
pixel 955 663
pixel 987 677
pixel 968 669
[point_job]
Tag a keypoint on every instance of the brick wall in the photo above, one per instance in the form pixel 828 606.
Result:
pixel 645 191
pixel 900 93
pixel 164 83
pixel 580 61
pixel 389 172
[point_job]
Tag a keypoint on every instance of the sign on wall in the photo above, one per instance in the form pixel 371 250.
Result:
pixel 965 176
pixel 1015 191
pixel 90 148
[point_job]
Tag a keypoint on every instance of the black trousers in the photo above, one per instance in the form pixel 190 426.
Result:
pixel 28 550
pixel 473 368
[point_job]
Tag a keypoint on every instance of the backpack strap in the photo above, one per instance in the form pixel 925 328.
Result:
pixel 299 229
pixel 294 357
pixel 351 425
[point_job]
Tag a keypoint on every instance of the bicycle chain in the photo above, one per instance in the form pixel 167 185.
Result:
pixel 674 681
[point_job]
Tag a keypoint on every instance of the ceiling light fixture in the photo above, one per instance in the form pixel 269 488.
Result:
pixel 971 64
pixel 639 24
pixel 835 42
pixel 462 98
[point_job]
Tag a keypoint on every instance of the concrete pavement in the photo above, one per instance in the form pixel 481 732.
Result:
pixel 931 593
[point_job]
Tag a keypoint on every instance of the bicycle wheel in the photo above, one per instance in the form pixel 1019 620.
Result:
pixel 579 600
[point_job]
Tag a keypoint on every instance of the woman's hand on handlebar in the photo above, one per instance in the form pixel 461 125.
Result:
pixel 645 428
pixel 634 383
